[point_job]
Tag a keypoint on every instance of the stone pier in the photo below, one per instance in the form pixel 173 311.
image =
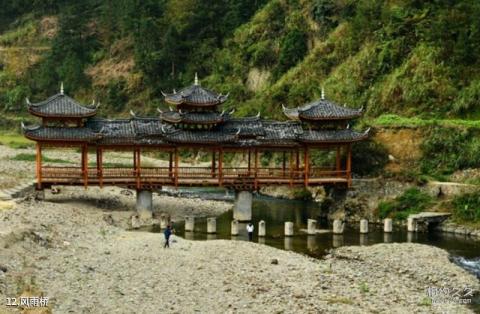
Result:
pixel 288 228
pixel 388 225
pixel 189 223
pixel 363 226
pixel 234 228
pixel 144 204
pixel 262 229
pixel 242 210
pixel 311 226
pixel 338 226
pixel 211 225
pixel 411 224
pixel 164 220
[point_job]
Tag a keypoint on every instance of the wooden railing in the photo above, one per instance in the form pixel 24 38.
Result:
pixel 166 175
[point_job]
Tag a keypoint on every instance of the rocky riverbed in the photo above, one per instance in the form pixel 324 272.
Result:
pixel 72 249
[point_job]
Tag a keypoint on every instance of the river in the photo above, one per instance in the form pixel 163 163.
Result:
pixel 464 250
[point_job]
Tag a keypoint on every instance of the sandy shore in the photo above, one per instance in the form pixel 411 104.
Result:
pixel 66 249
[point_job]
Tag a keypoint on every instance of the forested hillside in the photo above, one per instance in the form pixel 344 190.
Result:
pixel 406 57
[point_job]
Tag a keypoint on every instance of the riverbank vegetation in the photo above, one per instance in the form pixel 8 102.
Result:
pixel 412 201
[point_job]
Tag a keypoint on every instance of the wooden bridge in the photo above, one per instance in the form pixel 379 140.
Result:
pixel 240 178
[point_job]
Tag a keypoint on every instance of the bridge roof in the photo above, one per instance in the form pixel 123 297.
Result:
pixel 153 131
pixel 60 106
pixel 322 110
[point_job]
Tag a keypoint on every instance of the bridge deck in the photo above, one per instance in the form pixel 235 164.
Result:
pixel 191 176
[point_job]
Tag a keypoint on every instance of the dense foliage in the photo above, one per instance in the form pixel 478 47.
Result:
pixel 412 201
pixel 466 207
pixel 448 149
pixel 409 57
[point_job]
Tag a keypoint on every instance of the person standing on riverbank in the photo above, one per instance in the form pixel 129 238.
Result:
pixel 250 229
pixel 167 233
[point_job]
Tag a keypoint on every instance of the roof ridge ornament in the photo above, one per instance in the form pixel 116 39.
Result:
pixel 28 101
pixel 160 110
pixel 367 131
pixel 348 126
pixel 232 111
pixel 61 89
pixel 196 79
pixel 323 93
pixel 258 115
pixel 133 113
pixel 163 94
pixel 238 132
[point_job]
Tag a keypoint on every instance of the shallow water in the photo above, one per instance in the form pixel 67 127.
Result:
pixel 464 250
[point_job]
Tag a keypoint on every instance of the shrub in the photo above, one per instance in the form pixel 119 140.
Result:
pixel 412 201
pixel 466 207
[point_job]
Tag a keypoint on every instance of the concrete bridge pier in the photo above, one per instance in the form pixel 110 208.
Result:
pixel 242 210
pixel 144 205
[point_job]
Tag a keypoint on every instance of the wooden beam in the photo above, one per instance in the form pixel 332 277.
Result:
pixel 176 167
pixel 338 161
pixel 349 165
pixel 139 167
pixel 297 159
pixel 38 160
pixel 256 169
pixel 85 165
pixel 220 167
pixel 170 164
pixel 306 164
pixel 213 164
pixel 290 166
pixel 100 166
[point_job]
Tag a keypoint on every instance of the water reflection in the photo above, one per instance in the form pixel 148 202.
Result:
pixel 312 244
pixel 288 243
pixel 363 238
pixel 337 240
pixel 387 237
pixel 211 236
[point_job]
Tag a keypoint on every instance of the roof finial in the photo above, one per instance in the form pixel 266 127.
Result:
pixel 196 78
pixel 61 88
pixel 323 93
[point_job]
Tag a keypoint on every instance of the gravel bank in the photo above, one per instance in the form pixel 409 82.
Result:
pixel 71 253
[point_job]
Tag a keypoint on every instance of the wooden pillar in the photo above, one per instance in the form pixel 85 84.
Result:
pixel 170 164
pixel 349 164
pixel 297 160
pixel 213 163
pixel 290 166
pixel 338 165
pixel 256 169
pixel 249 161
pixel 38 160
pixel 137 168
pixel 306 162
pixel 284 163
pixel 176 167
pixel 100 166
pixel 220 166
pixel 85 164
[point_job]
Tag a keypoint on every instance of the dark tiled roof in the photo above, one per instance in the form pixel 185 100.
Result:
pixel 152 131
pixel 249 127
pixel 332 136
pixel 322 110
pixel 61 134
pixel 195 95
pixel 194 117
pixel 61 105
pixel 199 137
